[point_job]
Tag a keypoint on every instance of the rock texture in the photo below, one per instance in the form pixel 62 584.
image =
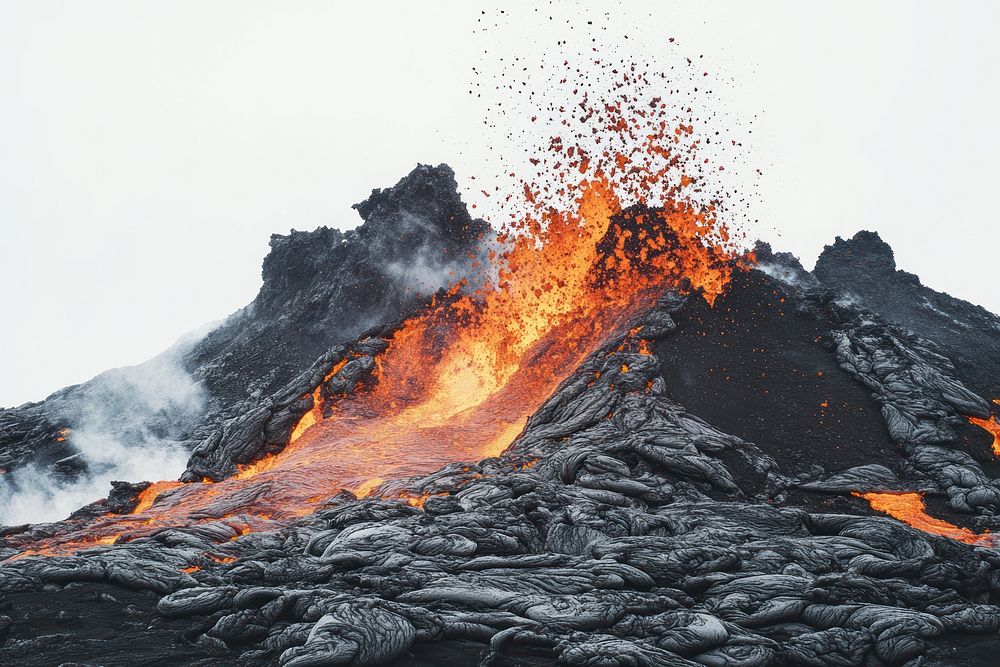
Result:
pixel 683 498
pixel 863 269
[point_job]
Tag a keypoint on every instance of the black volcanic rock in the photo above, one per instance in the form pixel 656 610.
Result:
pixel 866 257
pixel 784 266
pixel 325 286
pixel 864 268
pixel 319 288
pixel 123 496
pixel 684 497
pixel 760 365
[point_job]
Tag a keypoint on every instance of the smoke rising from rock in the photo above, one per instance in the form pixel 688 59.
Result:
pixel 426 271
pixel 126 424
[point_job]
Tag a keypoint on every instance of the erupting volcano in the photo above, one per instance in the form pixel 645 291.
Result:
pixel 612 436
pixel 459 380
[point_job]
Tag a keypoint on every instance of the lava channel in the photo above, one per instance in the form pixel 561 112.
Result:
pixel 991 426
pixel 911 510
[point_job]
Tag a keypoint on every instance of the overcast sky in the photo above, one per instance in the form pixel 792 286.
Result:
pixel 149 149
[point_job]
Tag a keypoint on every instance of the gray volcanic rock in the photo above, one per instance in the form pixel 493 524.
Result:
pixel 864 268
pixel 319 288
pixel 264 426
pixel 684 497
pixel 325 287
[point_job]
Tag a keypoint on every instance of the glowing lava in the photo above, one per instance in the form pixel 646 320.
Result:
pixel 911 510
pixel 460 379
pixel 991 426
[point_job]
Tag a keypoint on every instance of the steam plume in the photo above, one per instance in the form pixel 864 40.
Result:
pixel 126 424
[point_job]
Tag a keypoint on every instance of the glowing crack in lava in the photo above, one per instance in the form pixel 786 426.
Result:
pixel 911 510
pixel 459 380
pixel 991 426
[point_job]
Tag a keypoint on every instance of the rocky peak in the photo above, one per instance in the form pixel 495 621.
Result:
pixel 428 192
pixel 863 269
pixel 865 251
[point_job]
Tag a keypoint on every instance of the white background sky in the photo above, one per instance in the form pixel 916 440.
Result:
pixel 149 149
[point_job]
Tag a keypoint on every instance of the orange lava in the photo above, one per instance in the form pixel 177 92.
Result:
pixel 460 379
pixel 148 496
pixel 911 510
pixel 991 426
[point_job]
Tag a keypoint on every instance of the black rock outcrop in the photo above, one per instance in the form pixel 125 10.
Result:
pixel 324 287
pixel 863 268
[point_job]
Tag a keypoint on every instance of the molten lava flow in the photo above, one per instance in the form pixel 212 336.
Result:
pixel 149 495
pixel 991 426
pixel 911 510
pixel 459 380
pixel 316 413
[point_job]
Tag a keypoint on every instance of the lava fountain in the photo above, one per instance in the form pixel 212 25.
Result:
pixel 459 379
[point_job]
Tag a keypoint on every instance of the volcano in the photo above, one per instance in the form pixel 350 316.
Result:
pixel 601 433
pixel 626 443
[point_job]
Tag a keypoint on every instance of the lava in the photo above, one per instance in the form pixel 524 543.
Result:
pixel 991 426
pixel 911 510
pixel 460 379
pixel 149 495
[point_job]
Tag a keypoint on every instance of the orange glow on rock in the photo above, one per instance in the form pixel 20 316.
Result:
pixel 991 426
pixel 148 496
pixel 316 413
pixel 222 559
pixel 911 510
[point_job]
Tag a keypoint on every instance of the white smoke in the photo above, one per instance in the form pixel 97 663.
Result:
pixel 125 425
pixel 782 272
pixel 423 275
pixel 426 273
pixel 847 300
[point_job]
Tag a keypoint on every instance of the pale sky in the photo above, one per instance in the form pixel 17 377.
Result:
pixel 149 149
